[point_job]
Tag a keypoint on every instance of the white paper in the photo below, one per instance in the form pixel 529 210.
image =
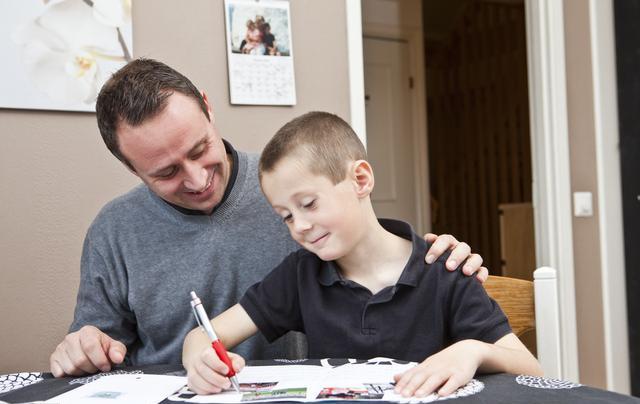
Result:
pixel 123 389
pixel 368 381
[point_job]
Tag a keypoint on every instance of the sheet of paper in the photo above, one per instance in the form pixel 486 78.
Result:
pixel 123 389
pixel 356 381
pixel 265 383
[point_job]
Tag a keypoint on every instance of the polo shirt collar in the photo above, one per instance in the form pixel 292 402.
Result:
pixel 412 270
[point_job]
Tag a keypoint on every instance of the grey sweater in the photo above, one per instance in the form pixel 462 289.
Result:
pixel 142 257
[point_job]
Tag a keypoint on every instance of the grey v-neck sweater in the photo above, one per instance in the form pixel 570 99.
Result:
pixel 142 257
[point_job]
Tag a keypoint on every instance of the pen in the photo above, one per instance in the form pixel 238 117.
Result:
pixel 203 321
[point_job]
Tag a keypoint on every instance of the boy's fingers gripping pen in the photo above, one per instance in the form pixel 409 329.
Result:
pixel 203 321
pixel 222 354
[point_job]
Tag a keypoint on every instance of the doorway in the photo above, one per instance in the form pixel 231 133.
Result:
pixel 478 129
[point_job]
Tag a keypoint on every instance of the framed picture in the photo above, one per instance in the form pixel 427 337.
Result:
pixel 57 54
pixel 259 52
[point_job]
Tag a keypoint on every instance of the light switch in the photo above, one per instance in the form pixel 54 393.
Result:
pixel 582 204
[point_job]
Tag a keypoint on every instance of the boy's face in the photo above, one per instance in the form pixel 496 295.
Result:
pixel 324 218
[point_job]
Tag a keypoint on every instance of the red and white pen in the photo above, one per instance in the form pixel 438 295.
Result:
pixel 203 321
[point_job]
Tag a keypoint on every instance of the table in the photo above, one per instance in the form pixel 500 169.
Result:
pixel 498 388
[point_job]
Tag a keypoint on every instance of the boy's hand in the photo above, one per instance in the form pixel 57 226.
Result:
pixel 443 372
pixel 460 252
pixel 206 373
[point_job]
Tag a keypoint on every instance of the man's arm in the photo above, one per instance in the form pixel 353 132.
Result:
pixel 102 326
pixel 205 371
pixel 460 251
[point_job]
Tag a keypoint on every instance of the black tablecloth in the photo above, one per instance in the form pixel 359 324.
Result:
pixel 498 388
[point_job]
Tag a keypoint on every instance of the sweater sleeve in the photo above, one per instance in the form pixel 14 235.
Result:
pixel 273 303
pixel 101 300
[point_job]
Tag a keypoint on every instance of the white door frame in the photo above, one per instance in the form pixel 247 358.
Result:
pixel 550 164
pixel 550 150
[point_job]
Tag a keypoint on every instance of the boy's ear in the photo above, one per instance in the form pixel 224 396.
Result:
pixel 362 173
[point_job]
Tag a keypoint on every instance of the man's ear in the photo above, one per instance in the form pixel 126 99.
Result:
pixel 363 177
pixel 209 107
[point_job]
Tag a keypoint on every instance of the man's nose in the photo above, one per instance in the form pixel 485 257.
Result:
pixel 195 177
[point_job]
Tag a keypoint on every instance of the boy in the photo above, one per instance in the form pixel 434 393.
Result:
pixel 359 289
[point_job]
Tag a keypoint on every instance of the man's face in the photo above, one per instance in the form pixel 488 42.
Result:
pixel 179 155
pixel 323 217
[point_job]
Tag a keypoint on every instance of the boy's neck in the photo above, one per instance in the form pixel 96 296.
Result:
pixel 378 259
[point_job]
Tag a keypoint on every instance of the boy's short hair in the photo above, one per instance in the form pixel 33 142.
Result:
pixel 325 142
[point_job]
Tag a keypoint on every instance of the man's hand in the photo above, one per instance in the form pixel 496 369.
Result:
pixel 206 372
pixel 442 372
pixel 460 251
pixel 86 351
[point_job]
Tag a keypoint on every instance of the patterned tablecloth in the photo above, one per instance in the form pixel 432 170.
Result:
pixel 497 388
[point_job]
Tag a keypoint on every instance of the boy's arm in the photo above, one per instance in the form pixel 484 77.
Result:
pixel 454 366
pixel 205 371
pixel 509 355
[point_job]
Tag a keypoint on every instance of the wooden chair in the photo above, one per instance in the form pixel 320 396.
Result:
pixel 516 298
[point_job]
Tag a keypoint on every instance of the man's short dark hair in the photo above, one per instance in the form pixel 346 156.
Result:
pixel 325 142
pixel 137 92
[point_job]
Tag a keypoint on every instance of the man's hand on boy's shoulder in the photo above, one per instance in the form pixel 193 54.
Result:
pixel 460 251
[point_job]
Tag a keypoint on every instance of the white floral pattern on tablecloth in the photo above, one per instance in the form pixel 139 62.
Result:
pixel 15 381
pixel 545 383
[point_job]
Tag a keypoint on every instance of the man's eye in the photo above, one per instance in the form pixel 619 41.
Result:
pixel 168 174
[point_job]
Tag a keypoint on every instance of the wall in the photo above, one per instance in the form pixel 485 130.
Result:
pixel 582 145
pixel 55 173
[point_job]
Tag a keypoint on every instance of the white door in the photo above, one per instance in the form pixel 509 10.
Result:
pixel 389 128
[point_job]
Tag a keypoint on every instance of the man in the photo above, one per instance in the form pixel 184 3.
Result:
pixel 198 222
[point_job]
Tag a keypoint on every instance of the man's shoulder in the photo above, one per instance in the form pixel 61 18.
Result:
pixel 124 207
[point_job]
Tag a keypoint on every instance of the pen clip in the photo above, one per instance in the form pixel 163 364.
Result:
pixel 195 313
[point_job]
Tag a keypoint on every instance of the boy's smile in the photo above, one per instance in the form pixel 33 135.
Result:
pixel 323 217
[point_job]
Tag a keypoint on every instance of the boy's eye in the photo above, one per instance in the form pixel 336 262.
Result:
pixel 310 204
pixel 288 218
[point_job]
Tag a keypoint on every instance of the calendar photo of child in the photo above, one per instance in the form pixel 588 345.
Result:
pixel 258 28
pixel 259 52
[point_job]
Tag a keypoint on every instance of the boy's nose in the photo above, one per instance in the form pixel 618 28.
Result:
pixel 301 225
pixel 196 177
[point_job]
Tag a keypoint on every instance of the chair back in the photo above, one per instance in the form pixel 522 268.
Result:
pixel 516 298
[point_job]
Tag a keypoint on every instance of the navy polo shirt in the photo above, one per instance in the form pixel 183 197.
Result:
pixel 428 309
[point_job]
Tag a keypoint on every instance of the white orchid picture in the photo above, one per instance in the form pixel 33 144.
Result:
pixel 57 54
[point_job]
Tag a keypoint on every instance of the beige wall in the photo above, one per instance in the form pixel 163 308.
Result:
pixel 582 148
pixel 55 173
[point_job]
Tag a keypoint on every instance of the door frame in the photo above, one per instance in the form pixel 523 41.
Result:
pixel 550 149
